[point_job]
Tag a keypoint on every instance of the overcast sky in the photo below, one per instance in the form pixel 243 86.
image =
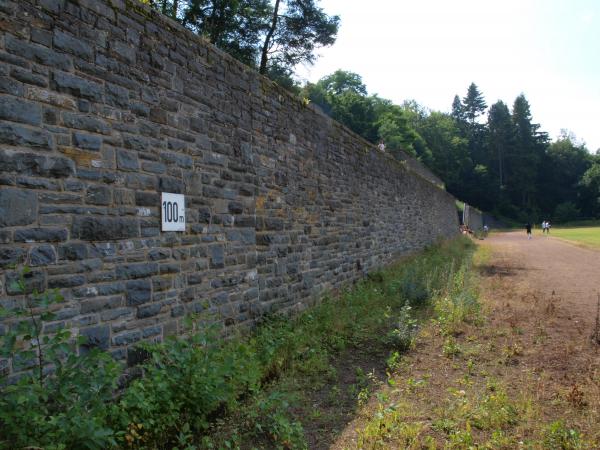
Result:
pixel 431 50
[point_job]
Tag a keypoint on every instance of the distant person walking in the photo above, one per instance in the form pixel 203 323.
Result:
pixel 528 228
pixel 547 227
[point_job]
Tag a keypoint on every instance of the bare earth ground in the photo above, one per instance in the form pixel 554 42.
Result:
pixel 540 305
pixel 562 280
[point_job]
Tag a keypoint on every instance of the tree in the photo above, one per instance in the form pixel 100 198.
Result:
pixel 273 37
pixel 342 81
pixel 458 109
pixel 590 181
pixel 393 128
pixel 525 161
pixel 500 137
pixel 296 29
pixel 357 112
pixel 235 26
pixel 449 150
pixel 169 8
pixel 473 104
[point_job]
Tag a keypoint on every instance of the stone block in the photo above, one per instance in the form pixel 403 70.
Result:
pixel 18 110
pixel 138 270
pixel 34 280
pixel 42 255
pixel 87 141
pixel 117 313
pixel 66 281
pixel 10 86
pixel 216 254
pixel 157 254
pixel 123 50
pixel 72 251
pixel 41 235
pixel 50 97
pixel 100 304
pixel 79 87
pixel 72 44
pixel 29 77
pixel 98 337
pixel 177 311
pixel 87 123
pixel 139 109
pixel 127 338
pixel 138 292
pixel 10 256
pixel 117 96
pixel 146 311
pixel 127 160
pixel 41 37
pixel 38 54
pixel 158 115
pixel 155 330
pixel 98 195
pixel 170 184
pixel 143 198
pixel 17 207
pixel 98 228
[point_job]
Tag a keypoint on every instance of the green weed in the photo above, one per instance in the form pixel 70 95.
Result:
pixel 557 436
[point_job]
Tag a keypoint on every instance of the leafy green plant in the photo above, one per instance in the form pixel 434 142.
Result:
pixel 557 436
pixel 186 382
pixel 270 417
pixel 413 286
pixel 451 347
pixel 61 399
pixel 394 360
pixel 403 335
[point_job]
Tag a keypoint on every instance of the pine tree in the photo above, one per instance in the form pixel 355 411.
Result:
pixel 500 138
pixel 474 104
pixel 529 150
pixel 458 109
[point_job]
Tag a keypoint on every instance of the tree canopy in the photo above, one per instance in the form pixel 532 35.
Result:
pixel 272 35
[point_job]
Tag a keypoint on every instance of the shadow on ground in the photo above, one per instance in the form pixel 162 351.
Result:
pixel 500 270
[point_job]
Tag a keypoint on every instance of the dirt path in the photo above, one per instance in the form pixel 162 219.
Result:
pixel 551 287
pixel 554 268
pixel 532 356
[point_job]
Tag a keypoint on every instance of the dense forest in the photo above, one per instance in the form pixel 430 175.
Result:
pixel 495 158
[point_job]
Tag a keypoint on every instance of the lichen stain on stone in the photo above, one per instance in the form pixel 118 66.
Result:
pixel 260 202
pixel 80 157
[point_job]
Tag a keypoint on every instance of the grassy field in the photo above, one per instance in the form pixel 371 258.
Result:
pixel 587 236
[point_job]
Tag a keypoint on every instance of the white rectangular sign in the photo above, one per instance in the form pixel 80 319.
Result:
pixel 172 212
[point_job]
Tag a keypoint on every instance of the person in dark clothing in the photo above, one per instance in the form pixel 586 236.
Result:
pixel 528 228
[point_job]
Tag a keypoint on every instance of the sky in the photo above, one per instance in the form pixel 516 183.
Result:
pixel 432 50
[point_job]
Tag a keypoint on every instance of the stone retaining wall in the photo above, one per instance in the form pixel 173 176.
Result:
pixel 104 105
